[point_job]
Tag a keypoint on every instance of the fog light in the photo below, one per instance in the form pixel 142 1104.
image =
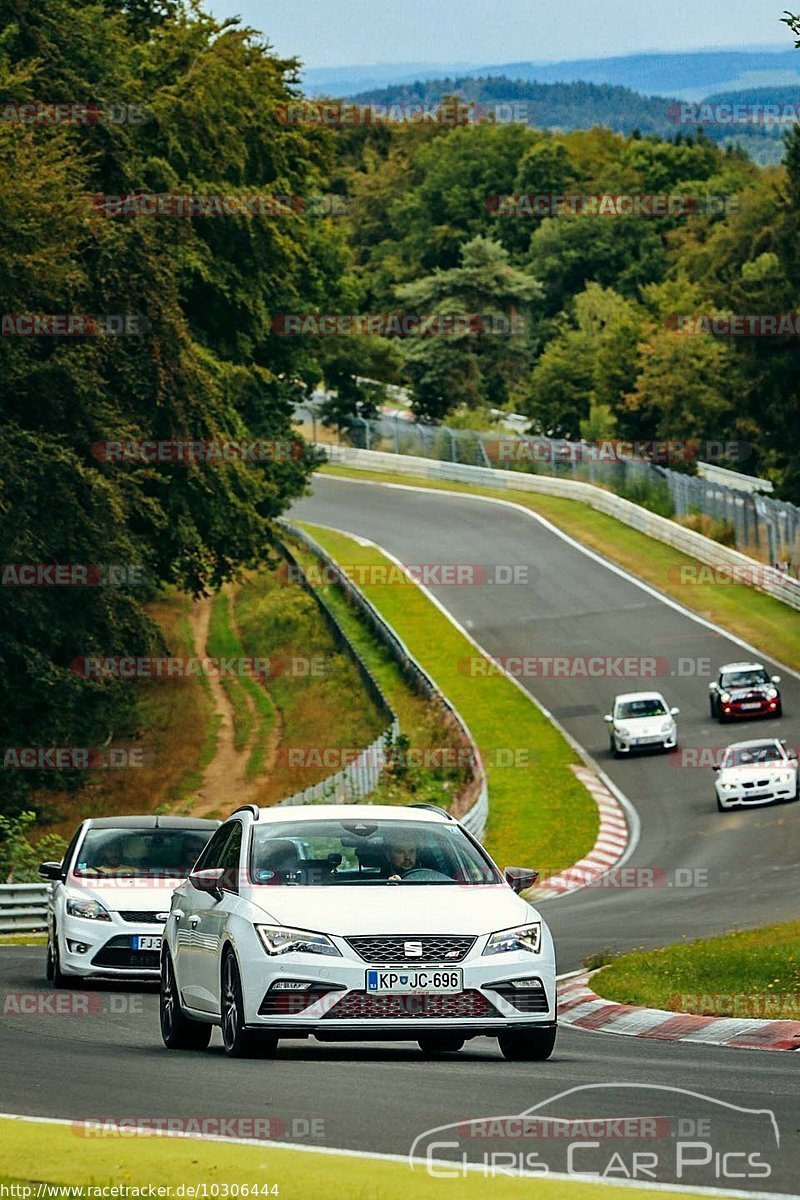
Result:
pixel 77 947
pixel 290 985
pixel 527 983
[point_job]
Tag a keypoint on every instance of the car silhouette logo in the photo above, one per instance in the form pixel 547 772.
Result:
pixel 412 949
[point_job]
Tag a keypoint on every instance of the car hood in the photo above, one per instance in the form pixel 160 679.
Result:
pixel 394 908
pixel 743 693
pixel 127 895
pixel 754 771
pixel 644 726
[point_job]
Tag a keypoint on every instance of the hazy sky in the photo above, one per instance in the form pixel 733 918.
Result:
pixel 325 33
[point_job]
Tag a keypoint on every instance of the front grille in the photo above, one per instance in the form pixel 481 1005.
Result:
pixel 442 948
pixel 364 1006
pixel 289 1004
pixel 525 1000
pixel 756 783
pixel 146 918
pixel 117 953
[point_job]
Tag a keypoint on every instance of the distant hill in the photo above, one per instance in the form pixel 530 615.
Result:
pixel 581 105
pixel 687 76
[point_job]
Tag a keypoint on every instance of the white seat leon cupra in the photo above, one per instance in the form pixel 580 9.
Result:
pixel 355 922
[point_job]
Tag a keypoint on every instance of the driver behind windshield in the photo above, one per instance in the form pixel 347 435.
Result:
pixel 402 859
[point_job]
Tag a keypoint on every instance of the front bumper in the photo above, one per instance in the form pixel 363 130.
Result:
pixel 754 797
pixel 736 710
pixel 104 949
pixel 341 1007
pixel 631 745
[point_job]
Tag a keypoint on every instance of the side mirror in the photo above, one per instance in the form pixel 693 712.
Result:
pixel 792 754
pixel 608 717
pixel 717 767
pixel 208 881
pixel 776 678
pixel 520 878
pixel 712 687
pixel 674 712
pixel 50 870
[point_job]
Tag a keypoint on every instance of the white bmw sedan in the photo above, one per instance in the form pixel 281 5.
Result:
pixel 350 923
pixel 111 893
pixel 755 773
pixel 641 721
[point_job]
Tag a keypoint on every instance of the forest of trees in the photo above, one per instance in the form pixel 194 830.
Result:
pixel 417 230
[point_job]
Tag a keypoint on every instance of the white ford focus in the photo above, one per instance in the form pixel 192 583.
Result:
pixel 355 922
pixel 641 721
pixel 758 772
pixel 111 894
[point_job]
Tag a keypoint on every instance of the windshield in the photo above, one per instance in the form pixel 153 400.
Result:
pixel 744 756
pixel 631 709
pixel 330 852
pixel 740 679
pixel 137 852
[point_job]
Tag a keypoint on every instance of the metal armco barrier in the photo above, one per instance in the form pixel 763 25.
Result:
pixel 696 545
pixel 23 907
pixel 472 807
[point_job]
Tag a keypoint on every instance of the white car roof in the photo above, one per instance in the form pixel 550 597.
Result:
pixel 755 742
pixel 639 696
pixel 742 666
pixel 349 812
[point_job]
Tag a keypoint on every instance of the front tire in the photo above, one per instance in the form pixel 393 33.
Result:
pixel 240 1042
pixel 53 967
pixel 534 1045
pixel 178 1032
pixel 720 806
pixel 442 1043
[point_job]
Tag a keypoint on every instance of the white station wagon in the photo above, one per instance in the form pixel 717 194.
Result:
pixel 355 922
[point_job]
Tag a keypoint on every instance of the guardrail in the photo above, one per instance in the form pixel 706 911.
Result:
pixel 696 545
pixel 472 806
pixel 23 907
pixel 361 776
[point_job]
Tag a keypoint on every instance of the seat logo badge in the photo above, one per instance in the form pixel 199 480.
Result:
pixel 412 949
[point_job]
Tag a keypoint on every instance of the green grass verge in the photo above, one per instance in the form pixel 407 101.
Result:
pixel 743 974
pixel 540 815
pixel 38 1153
pixel 320 696
pixel 23 939
pixel 757 618
pixel 426 765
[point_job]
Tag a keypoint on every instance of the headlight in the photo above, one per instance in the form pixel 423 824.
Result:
pixel 92 910
pixel 728 787
pixel 622 730
pixel 278 940
pixel 667 726
pixel 784 777
pixel 725 697
pixel 526 937
pixel 772 693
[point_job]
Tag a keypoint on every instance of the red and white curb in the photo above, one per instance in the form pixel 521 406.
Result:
pixel 581 1008
pixel 612 841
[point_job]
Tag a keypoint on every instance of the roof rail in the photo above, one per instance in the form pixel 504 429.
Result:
pixel 433 808
pixel 251 808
